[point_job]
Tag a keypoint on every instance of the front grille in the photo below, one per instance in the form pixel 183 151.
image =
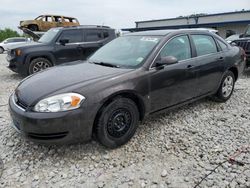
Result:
pixel 52 136
pixel 21 104
pixel 243 44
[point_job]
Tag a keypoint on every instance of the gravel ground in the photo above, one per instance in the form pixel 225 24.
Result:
pixel 174 149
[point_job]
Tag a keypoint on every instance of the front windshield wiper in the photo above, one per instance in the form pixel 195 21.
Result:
pixel 106 64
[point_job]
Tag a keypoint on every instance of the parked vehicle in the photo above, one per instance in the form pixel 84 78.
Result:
pixel 57 46
pixel 46 22
pixel 129 78
pixel 232 38
pixel 11 42
pixel 244 42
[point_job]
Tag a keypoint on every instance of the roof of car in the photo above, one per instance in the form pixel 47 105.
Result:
pixel 87 27
pixel 57 15
pixel 166 32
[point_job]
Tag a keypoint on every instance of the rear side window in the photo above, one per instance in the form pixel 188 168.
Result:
pixel 73 36
pixel 204 44
pixel 222 45
pixel 179 47
pixel 93 35
pixel 105 34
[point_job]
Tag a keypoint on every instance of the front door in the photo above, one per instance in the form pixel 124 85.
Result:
pixel 176 83
pixel 72 50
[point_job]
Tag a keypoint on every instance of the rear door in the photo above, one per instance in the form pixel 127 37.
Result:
pixel 210 60
pixel 71 51
pixel 174 83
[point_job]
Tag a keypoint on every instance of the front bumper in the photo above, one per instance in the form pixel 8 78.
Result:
pixel 52 128
pixel 16 65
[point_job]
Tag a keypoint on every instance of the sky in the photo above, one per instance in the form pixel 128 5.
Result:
pixel 115 13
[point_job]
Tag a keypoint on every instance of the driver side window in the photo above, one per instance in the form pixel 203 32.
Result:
pixel 179 47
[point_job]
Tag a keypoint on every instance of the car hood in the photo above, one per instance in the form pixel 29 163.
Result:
pixel 27 45
pixel 24 22
pixel 63 78
pixel 30 33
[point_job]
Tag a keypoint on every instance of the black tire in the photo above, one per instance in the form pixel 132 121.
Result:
pixel 1 50
pixel 33 27
pixel 224 94
pixel 39 64
pixel 117 123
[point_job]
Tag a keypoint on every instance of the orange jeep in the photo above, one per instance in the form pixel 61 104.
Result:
pixel 45 22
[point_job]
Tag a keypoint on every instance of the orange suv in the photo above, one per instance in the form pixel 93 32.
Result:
pixel 45 22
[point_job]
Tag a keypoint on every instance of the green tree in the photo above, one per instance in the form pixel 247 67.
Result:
pixel 7 33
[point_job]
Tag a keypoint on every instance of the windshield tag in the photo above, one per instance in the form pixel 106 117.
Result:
pixel 140 59
pixel 149 39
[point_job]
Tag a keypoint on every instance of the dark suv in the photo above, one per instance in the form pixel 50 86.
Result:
pixel 57 46
pixel 244 42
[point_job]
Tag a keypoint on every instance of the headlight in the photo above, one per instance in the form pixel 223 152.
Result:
pixel 59 103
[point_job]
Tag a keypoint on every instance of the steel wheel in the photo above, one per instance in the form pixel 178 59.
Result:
pixel 119 123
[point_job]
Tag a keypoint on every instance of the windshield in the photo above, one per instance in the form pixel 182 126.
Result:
pixel 48 36
pixel 126 51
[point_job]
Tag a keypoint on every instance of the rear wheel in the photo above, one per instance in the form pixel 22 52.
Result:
pixel 1 50
pixel 226 88
pixel 117 123
pixel 39 64
pixel 33 27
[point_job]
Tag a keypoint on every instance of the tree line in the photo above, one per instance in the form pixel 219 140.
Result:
pixel 7 33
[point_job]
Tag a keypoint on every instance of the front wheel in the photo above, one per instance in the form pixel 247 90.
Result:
pixel 39 64
pixel 226 88
pixel 33 27
pixel 117 123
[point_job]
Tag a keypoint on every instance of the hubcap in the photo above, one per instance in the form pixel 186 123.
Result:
pixel 41 65
pixel 227 86
pixel 119 123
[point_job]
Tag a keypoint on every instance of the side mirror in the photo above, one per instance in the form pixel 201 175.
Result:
pixel 64 41
pixel 168 60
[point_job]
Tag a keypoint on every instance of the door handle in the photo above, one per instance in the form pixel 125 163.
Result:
pixel 190 66
pixel 220 58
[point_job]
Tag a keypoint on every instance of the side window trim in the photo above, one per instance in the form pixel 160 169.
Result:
pixel 91 42
pixel 158 53
pixel 217 46
pixel 82 38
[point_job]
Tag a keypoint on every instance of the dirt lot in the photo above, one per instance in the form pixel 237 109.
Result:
pixel 175 149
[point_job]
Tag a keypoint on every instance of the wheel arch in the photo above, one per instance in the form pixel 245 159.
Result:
pixel 234 70
pixel 45 55
pixel 33 24
pixel 126 94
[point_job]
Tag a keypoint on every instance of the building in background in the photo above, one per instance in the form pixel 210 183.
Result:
pixel 226 23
